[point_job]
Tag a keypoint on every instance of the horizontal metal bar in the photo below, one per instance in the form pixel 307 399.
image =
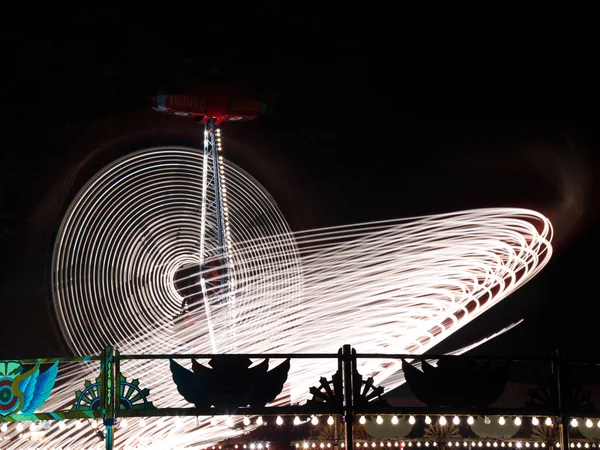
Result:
pixel 231 355
pixel 249 411
pixel 302 410
pixel 55 415
pixel 469 357
pixel 448 411
pixel 595 362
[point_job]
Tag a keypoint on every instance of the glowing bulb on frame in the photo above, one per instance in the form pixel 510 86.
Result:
pixel 501 420
pixel 279 420
pixel 517 421
pixel 394 420
pixel 379 420
pixel 574 422
pixel 427 420
pixel 589 423
pixel 548 421
pixel 229 421
pixel 487 420
pixel 411 420
pixel 443 421
pixel 456 420
pixel 142 423
pixel 314 420
pixel 19 427
pixel 4 428
pixel 330 420
pixel 296 420
pixel 259 420
pixel 362 420
pixel 470 420
pixel 246 421
pixel 535 421
pixel 213 421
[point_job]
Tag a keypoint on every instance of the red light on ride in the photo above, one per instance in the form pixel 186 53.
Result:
pixel 212 103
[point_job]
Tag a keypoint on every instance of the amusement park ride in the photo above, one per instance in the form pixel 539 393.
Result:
pixel 211 106
pixel 232 385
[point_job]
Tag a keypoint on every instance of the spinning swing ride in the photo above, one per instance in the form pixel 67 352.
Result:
pixel 175 250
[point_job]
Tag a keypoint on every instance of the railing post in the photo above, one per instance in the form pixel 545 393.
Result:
pixel 107 394
pixel 348 397
pixel 563 427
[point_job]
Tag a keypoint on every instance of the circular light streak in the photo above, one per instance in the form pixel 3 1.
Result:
pixel 133 228
pixel 397 286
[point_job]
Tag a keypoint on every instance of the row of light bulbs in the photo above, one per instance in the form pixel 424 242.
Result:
pixel 518 444
pixel 223 189
pixel 314 420
pixel 589 423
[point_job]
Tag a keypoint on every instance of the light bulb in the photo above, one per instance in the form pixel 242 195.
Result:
pixel 443 421
pixel 501 420
pixel 4 428
pixel 62 426
pixel 19 427
pixel 142 422
pixel 574 422
pixel 411 420
pixel 548 421
pixel 213 421
pixel 362 420
pixel 589 423
pixel 456 420
pixel 78 424
pixel 395 420
pixel 314 420
pixel 470 420
pixel 487 420
pixel 534 421
pixel 279 420
pixel 296 420
pixel 517 421
pixel 246 421
pixel 379 420
pixel 259 420
pixel 427 420
pixel 599 424
pixel 330 420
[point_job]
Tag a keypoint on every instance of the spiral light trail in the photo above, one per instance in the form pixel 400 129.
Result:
pixel 398 286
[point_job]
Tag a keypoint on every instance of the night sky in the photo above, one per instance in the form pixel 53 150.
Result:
pixel 366 120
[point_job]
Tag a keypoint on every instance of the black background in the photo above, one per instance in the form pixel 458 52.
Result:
pixel 372 114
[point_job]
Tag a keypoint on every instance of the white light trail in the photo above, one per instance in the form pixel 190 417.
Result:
pixel 398 286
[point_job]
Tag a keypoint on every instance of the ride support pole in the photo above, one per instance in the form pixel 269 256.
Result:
pixel 348 396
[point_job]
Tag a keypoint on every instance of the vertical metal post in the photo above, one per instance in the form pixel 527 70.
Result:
pixel 348 396
pixel 563 426
pixel 222 309
pixel 107 394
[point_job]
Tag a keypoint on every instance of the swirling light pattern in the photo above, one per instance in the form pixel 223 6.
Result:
pixel 133 228
pixel 399 286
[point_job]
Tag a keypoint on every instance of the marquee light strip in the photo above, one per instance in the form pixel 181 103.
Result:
pixel 397 286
